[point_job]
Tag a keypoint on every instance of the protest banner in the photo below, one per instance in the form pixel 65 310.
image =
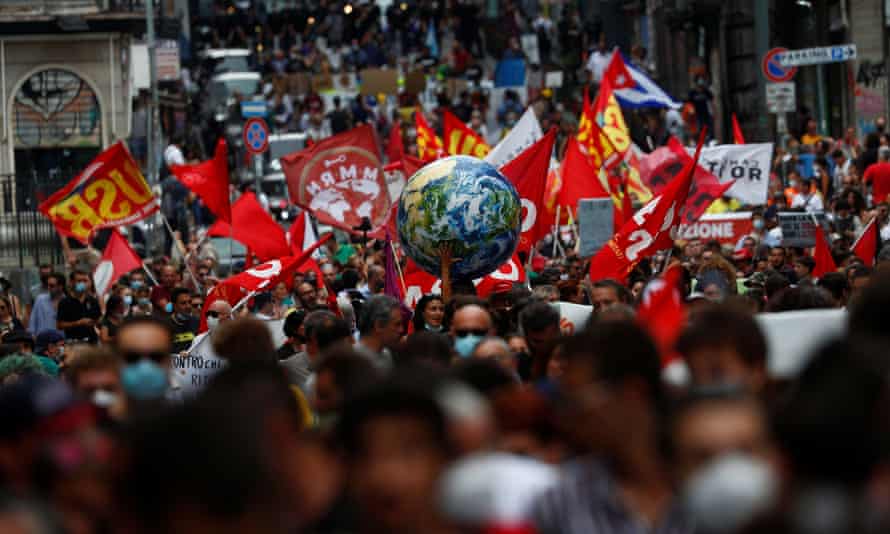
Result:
pixel 595 224
pixel 419 283
pixel 724 227
pixel 376 81
pixel 573 317
pixel 747 165
pixel 791 337
pixel 799 228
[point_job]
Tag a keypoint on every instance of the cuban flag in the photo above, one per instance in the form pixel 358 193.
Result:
pixel 646 93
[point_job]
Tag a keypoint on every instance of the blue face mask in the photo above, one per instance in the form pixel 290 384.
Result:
pixel 136 284
pixel 466 344
pixel 80 287
pixel 168 307
pixel 128 300
pixel 144 380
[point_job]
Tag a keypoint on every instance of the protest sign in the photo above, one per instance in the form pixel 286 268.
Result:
pixel 799 228
pixel 724 227
pixel 747 165
pixel 791 337
pixel 415 82
pixel 573 317
pixel 194 369
pixel 553 79
pixel 595 224
pixel 376 81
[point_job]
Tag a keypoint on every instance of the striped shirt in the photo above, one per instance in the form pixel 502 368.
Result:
pixel 587 502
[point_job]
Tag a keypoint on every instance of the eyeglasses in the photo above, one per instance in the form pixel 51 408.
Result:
pixel 135 356
pixel 476 332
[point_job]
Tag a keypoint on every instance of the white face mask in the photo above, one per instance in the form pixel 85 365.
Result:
pixel 212 322
pixel 730 491
pixel 103 399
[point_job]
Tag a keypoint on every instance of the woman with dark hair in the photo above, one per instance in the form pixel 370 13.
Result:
pixel 15 305
pixel 8 320
pixel 429 314
pixel 115 311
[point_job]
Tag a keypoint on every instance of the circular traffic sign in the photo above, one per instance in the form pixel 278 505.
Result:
pixel 256 135
pixel 772 70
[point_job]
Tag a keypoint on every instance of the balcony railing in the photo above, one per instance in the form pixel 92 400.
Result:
pixel 51 8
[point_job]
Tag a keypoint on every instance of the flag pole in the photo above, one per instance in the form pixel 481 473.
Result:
pixel 395 259
pixel 182 251
pixel 148 272
pixel 556 230
pixel 243 301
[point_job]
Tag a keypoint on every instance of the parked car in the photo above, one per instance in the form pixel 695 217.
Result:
pixel 223 60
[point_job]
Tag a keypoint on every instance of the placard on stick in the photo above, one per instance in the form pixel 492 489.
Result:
pixel 799 228
pixel 594 224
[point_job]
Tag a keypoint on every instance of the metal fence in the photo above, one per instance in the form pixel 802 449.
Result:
pixel 27 238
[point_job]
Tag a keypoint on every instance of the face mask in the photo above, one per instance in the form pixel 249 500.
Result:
pixel 143 301
pixel 80 287
pixel 758 224
pixel 212 322
pixel 431 328
pixel 61 352
pixel 730 491
pixel 792 183
pixel 168 307
pixel 465 345
pixel 103 399
pixel 144 380
pixel 136 284
pixel 128 300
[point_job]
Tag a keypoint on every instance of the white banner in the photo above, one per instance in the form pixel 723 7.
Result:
pixel 787 355
pixel 573 317
pixel 748 165
pixel 523 135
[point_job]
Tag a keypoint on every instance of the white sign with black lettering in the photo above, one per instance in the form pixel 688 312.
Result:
pixel 746 165
pixel 781 97
pixel 194 369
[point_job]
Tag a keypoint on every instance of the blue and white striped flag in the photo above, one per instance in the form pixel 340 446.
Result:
pixel 646 94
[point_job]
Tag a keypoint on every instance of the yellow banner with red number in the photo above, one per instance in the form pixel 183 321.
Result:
pixel 110 191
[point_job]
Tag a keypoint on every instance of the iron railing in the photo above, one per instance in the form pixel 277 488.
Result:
pixel 27 237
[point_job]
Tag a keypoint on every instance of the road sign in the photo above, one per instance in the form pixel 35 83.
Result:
pixel 253 108
pixel 817 56
pixel 781 97
pixel 256 136
pixel 773 70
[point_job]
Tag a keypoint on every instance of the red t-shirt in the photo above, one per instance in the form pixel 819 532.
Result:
pixel 879 176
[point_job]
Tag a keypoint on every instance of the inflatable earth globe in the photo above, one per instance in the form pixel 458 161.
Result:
pixel 465 204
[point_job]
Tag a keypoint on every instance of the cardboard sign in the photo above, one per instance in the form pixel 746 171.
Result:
pixel 376 81
pixel 799 228
pixel 415 82
pixel 595 224
pixel 322 82
pixel 724 227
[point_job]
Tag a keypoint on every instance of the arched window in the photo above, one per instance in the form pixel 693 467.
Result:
pixel 56 108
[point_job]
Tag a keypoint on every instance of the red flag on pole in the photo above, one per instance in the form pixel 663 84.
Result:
pixel 254 228
pixel 866 245
pixel 737 136
pixel 462 140
pixel 822 255
pixel 528 172
pixel 117 260
pixel 661 311
pixel 648 231
pixel 210 181
pixel 395 146
pixel 340 179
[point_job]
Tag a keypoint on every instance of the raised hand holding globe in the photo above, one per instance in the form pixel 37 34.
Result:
pixel 463 211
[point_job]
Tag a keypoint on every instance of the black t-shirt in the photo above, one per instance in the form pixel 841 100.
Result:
pixel 72 309
pixel 183 333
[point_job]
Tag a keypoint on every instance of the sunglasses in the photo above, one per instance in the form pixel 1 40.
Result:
pixel 465 333
pixel 135 356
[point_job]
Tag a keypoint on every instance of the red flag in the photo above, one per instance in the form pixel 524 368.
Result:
pixel 822 255
pixel 420 283
pixel 429 145
pixel 866 245
pixel 461 140
pixel 117 260
pixel 210 181
pixel 254 228
pixel 528 172
pixel 661 310
pixel 579 180
pixel 737 136
pixel 340 179
pixel 395 146
pixel 263 277
pixel 110 191
pixel 648 231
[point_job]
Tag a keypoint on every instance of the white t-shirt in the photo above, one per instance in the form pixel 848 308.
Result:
pixel 809 202
pixel 173 155
pixel 597 64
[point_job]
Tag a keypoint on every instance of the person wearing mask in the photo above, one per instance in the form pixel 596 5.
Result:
pixel 469 325
pixel 49 347
pixel 202 362
pixel 380 329
pixel 43 314
pixel 429 314
pixel 95 374
pixel 183 324
pixel 263 306
pixel 8 321
pixel 162 295
pixel 145 344
pixel 612 376
pixel 115 311
pixel 79 312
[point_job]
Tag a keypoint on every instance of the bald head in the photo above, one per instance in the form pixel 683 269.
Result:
pixel 222 308
pixel 471 317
